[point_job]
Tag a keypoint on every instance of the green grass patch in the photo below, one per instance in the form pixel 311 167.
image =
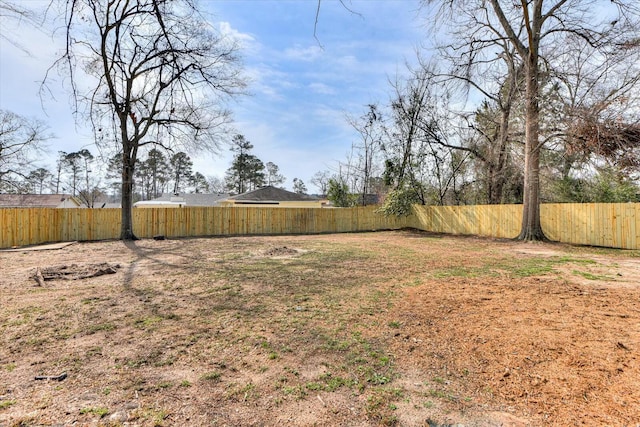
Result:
pixel 590 276
pixel 211 376
pixel 155 416
pixel 381 405
pixel 510 266
pixel 99 411
pixel 533 270
pixel 147 322
pixel 4 404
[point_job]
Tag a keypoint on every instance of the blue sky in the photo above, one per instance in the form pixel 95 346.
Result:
pixel 301 88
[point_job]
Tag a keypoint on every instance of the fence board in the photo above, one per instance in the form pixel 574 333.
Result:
pixel 501 221
pixel 20 227
pixel 613 225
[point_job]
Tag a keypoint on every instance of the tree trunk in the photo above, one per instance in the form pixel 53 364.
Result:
pixel 531 227
pixel 126 229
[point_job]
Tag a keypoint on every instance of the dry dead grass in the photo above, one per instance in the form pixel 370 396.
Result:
pixel 402 328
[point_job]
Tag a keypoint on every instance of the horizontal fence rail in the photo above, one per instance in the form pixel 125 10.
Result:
pixel 615 225
pixel 20 227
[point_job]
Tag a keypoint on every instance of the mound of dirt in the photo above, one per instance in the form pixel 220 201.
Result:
pixel 280 251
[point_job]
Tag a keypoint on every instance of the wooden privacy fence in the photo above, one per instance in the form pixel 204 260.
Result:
pixel 19 227
pixel 502 221
pixel 612 225
pixel 615 225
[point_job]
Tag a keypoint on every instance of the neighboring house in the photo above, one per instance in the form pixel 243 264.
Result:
pixel 270 196
pixel 39 201
pixel 182 200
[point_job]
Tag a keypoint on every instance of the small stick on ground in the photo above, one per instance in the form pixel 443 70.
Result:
pixel 60 377
pixel 38 277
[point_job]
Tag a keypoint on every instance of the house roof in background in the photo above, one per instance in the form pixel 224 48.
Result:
pixel 33 200
pixel 196 199
pixel 272 194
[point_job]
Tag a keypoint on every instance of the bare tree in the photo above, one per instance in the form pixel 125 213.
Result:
pixel 13 10
pixel 596 99
pixel 533 30
pixel 370 127
pixel 321 180
pixel 414 126
pixel 93 197
pixel 159 74
pixel 216 184
pixel 21 139
pixel 273 175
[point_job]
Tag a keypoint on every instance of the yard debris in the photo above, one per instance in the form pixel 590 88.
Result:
pixel 73 272
pixel 622 346
pixel 60 377
pixel 47 247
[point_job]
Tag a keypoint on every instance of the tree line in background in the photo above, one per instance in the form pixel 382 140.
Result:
pixel 519 102
pixel 95 181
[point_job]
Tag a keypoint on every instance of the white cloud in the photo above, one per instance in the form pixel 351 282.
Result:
pixel 305 54
pixel 322 88
pixel 228 31
pixel 300 91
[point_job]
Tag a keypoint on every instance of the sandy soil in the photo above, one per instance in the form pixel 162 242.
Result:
pixel 391 328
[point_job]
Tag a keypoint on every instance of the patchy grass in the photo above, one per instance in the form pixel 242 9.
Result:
pixel 100 412
pixel 590 276
pixel 6 403
pixel 398 328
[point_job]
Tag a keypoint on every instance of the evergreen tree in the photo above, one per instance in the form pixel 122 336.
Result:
pixel 298 186
pixel 199 183
pixel 37 178
pixel 114 174
pixel 159 172
pixel 247 171
pixel 338 194
pixel 182 167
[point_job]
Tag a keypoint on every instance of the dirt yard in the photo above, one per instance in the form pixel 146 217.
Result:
pixel 391 328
